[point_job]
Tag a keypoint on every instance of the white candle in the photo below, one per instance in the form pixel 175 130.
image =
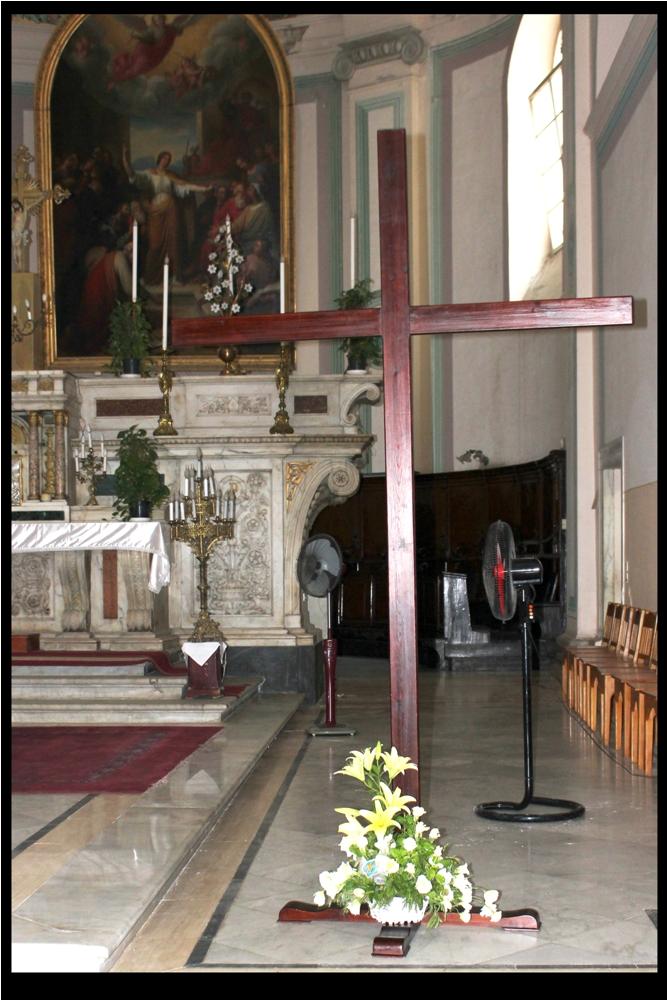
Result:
pixel 201 464
pixel 282 286
pixel 135 258
pixel 89 436
pixel 165 295
pixel 353 251
pixel 76 463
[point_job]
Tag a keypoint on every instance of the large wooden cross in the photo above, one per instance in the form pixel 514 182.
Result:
pixel 396 321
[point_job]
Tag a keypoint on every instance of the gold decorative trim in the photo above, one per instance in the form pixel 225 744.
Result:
pixel 295 473
pixel 47 70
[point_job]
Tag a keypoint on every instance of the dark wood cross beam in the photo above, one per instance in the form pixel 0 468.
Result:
pixel 396 321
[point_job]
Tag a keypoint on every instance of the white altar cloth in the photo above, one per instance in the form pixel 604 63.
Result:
pixel 30 536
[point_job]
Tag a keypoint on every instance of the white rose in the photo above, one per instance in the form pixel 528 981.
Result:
pixel 420 828
pixel 423 885
pixel 434 834
pixel 409 843
pixel 319 899
pixel 418 811
pixel 410 868
pixel 359 893
pixel 354 907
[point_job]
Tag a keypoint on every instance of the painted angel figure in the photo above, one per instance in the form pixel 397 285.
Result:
pixel 155 37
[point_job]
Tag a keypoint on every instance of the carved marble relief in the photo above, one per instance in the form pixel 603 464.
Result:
pixel 73 572
pixel 234 406
pixel 239 572
pixel 295 473
pixel 32 585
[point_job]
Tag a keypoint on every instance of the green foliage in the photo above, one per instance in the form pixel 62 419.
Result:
pixel 361 351
pixel 130 335
pixel 137 476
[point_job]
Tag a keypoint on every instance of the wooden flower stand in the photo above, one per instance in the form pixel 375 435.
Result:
pixel 394 942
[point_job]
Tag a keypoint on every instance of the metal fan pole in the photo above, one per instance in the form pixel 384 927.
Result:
pixel 330 652
pixel 512 812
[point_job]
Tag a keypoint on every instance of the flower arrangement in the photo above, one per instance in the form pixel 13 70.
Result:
pixel 226 290
pixel 396 855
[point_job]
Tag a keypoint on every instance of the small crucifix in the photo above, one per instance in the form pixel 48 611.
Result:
pixel 396 321
pixel 27 196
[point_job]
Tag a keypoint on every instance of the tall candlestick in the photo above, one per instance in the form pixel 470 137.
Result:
pixel 135 258
pixel 282 286
pixel 165 290
pixel 353 251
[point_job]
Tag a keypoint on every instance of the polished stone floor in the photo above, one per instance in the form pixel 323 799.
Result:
pixel 593 880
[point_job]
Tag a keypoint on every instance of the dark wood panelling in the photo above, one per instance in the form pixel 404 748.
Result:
pixel 453 513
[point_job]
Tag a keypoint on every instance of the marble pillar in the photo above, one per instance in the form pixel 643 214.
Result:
pixel 60 417
pixel 35 420
pixel 73 570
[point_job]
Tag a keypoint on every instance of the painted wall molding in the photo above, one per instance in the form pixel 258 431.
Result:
pixel 405 44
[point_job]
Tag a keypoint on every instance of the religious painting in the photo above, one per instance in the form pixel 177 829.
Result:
pixel 170 125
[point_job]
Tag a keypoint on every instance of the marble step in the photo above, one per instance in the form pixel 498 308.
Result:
pixel 75 923
pixel 131 701
pixel 139 669
pixel 46 687
pixel 127 713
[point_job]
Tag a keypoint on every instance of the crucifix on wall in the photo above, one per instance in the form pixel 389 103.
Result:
pixel 396 321
pixel 27 196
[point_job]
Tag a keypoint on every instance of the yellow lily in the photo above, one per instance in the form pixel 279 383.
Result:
pixel 355 769
pixel 395 764
pixel 381 819
pixel 392 797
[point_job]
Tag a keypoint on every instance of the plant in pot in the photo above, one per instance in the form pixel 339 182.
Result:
pixel 129 342
pixel 139 486
pixel 361 351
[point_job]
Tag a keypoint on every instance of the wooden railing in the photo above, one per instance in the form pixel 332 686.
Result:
pixel 613 686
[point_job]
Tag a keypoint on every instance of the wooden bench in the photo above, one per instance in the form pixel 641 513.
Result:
pixel 617 680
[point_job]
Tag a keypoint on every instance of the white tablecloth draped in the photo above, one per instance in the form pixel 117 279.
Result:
pixel 149 536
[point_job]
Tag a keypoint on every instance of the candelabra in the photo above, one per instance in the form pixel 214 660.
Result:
pixel 88 465
pixel 202 516
pixel 25 327
pixel 165 426
pixel 281 423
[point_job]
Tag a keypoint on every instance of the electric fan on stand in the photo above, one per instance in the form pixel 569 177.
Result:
pixel 508 583
pixel 319 569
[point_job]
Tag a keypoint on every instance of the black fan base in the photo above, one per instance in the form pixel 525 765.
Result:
pixel 510 812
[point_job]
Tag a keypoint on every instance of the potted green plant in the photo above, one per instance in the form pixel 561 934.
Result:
pixel 139 486
pixel 361 351
pixel 129 341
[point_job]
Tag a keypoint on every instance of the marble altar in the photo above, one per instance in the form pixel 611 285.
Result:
pixel 282 483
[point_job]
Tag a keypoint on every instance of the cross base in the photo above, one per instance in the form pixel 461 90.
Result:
pixel 394 942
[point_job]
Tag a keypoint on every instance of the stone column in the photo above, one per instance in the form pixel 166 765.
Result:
pixel 135 570
pixel 75 584
pixel 61 420
pixel 35 420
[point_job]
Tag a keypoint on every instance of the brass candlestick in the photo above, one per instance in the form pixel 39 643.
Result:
pixel 281 423
pixel 165 425
pixel 201 518
pixel 88 466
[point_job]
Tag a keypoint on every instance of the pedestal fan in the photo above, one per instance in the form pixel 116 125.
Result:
pixel 319 569
pixel 508 583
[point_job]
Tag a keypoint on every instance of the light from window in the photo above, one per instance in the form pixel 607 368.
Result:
pixel 546 103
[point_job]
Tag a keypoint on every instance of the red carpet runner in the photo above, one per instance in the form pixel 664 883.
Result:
pixel 97 759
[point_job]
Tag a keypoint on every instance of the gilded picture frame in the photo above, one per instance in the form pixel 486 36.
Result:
pixel 175 121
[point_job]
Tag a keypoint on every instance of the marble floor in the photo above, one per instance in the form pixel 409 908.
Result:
pixel 593 880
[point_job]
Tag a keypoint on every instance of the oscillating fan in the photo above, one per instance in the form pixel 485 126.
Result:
pixel 509 583
pixel 319 569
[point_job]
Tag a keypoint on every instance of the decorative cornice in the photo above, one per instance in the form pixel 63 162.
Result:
pixel 405 44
